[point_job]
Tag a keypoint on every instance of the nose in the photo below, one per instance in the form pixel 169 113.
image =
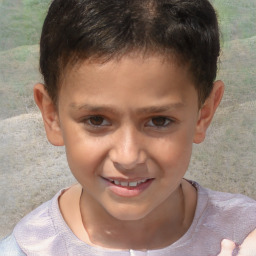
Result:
pixel 128 151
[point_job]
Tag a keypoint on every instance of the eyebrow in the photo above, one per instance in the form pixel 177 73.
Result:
pixel 145 110
pixel 159 109
pixel 93 108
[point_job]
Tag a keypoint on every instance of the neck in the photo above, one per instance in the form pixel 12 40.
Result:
pixel 162 227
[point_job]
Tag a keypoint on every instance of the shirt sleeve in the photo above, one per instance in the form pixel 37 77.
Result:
pixel 9 247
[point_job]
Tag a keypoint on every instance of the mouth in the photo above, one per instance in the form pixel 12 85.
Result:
pixel 128 188
pixel 131 184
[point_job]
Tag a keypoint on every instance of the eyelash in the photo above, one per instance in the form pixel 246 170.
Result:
pixel 88 121
pixel 167 122
pixel 105 122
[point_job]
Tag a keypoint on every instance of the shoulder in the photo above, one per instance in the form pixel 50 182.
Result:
pixel 233 216
pixel 227 202
pixel 10 247
pixel 38 231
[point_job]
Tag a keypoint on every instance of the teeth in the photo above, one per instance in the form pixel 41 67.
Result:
pixel 133 184
pixel 124 183
pixel 128 184
pixel 116 182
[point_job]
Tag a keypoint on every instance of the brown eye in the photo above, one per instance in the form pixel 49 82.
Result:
pixel 96 123
pixel 96 120
pixel 159 121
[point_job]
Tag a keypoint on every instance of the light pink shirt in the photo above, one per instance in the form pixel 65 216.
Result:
pixel 218 216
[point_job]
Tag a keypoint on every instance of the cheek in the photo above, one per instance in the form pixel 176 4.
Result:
pixel 175 158
pixel 174 148
pixel 172 155
pixel 84 153
pixel 85 161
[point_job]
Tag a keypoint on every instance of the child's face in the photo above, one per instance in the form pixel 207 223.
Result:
pixel 132 120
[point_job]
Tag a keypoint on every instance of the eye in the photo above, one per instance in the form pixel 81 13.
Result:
pixel 159 121
pixel 97 121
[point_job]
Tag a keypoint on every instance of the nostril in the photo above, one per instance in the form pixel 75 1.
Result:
pixel 125 167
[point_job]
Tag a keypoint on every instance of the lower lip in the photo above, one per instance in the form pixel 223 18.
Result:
pixel 129 191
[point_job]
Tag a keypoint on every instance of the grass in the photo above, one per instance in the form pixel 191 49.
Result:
pixel 237 18
pixel 21 22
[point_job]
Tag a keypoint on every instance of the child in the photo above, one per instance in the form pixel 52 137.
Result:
pixel 129 87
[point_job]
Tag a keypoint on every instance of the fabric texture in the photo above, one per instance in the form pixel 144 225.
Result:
pixel 9 247
pixel 218 215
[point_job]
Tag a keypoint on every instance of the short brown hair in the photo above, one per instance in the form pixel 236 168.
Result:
pixel 76 30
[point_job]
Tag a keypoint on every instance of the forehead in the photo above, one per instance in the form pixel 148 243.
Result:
pixel 135 62
pixel 150 77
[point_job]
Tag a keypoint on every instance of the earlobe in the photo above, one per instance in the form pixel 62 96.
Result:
pixel 49 114
pixel 207 111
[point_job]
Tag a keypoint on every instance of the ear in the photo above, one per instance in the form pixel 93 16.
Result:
pixel 207 111
pixel 49 114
